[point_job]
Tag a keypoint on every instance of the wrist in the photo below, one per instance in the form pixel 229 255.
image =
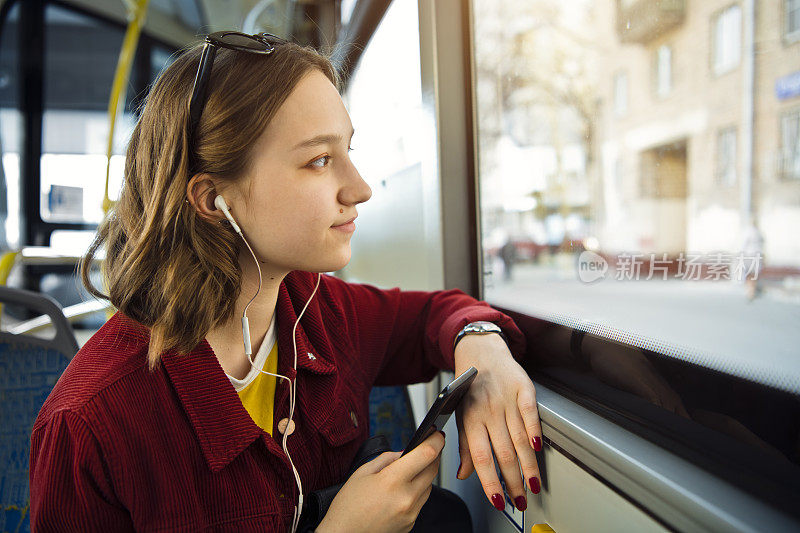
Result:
pixel 479 351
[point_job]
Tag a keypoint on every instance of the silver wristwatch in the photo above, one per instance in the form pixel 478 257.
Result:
pixel 479 328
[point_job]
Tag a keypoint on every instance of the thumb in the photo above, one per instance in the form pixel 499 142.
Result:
pixel 378 464
pixel 465 468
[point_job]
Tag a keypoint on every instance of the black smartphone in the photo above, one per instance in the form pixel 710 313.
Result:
pixel 442 408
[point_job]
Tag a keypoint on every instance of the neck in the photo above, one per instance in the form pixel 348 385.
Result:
pixel 226 340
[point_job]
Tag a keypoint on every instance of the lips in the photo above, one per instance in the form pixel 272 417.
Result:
pixel 345 222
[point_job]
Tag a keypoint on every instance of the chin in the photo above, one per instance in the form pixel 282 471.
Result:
pixel 332 264
pixel 343 261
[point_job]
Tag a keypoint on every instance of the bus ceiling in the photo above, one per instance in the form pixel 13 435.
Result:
pixel 342 28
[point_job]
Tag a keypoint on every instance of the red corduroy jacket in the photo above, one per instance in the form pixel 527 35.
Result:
pixel 117 447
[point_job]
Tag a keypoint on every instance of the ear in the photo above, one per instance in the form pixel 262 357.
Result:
pixel 201 191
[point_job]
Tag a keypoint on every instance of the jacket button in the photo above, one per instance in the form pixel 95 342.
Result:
pixel 354 418
pixel 284 423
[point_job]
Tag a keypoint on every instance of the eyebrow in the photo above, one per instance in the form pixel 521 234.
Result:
pixel 330 138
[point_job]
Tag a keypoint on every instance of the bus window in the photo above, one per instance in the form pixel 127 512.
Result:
pixel 639 183
pixel 80 59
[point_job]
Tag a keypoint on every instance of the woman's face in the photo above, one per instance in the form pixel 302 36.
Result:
pixel 303 189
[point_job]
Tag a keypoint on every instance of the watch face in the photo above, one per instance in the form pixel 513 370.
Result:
pixel 479 327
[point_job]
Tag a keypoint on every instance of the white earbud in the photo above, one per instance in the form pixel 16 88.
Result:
pixel 220 203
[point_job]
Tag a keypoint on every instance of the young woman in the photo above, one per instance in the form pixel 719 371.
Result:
pixel 180 414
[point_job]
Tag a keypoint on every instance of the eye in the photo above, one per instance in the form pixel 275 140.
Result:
pixel 316 163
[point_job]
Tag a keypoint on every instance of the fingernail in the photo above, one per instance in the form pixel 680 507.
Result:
pixel 458 472
pixel 498 502
pixel 521 503
pixel 534 484
pixel 537 444
pixel 442 432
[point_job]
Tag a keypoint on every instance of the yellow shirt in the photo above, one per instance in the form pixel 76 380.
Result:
pixel 257 390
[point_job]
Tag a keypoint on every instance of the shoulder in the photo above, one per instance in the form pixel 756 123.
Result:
pixel 115 355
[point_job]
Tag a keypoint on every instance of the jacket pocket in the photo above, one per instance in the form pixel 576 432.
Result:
pixel 342 433
pixel 346 422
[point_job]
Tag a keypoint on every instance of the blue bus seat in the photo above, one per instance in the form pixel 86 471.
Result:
pixel 390 415
pixel 29 367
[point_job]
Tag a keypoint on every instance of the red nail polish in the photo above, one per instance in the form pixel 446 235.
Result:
pixel 534 484
pixel 498 502
pixel 537 444
pixel 521 503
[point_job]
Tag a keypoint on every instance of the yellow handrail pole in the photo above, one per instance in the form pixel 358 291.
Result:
pixel 6 264
pixel 136 15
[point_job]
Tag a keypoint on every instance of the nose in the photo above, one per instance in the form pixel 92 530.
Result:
pixel 354 189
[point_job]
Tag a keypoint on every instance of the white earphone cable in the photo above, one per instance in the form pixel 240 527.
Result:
pixel 244 315
pixel 220 202
pixel 292 400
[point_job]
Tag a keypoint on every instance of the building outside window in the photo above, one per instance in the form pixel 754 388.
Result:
pixel 726 157
pixel 792 19
pixel 663 70
pixel 790 145
pixel 621 93
pixel 726 46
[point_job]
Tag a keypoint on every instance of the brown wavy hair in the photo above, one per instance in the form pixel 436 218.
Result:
pixel 165 266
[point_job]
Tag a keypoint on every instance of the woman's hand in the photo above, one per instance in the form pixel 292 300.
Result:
pixel 498 413
pixel 387 493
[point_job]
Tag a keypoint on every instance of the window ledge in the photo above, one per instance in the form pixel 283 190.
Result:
pixel 672 489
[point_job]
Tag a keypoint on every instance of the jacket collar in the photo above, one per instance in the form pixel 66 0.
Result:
pixel 220 421
pixel 222 425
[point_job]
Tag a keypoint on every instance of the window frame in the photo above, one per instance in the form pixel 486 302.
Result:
pixel 720 175
pixel 790 37
pixel 782 155
pixel 717 69
pixel 657 86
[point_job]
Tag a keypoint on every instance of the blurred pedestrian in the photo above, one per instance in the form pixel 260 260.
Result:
pixel 508 253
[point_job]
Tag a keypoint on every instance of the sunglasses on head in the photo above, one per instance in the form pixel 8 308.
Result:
pixel 260 43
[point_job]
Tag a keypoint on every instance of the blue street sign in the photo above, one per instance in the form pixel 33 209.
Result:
pixel 788 86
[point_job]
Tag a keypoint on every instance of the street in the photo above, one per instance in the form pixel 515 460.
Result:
pixel 704 322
